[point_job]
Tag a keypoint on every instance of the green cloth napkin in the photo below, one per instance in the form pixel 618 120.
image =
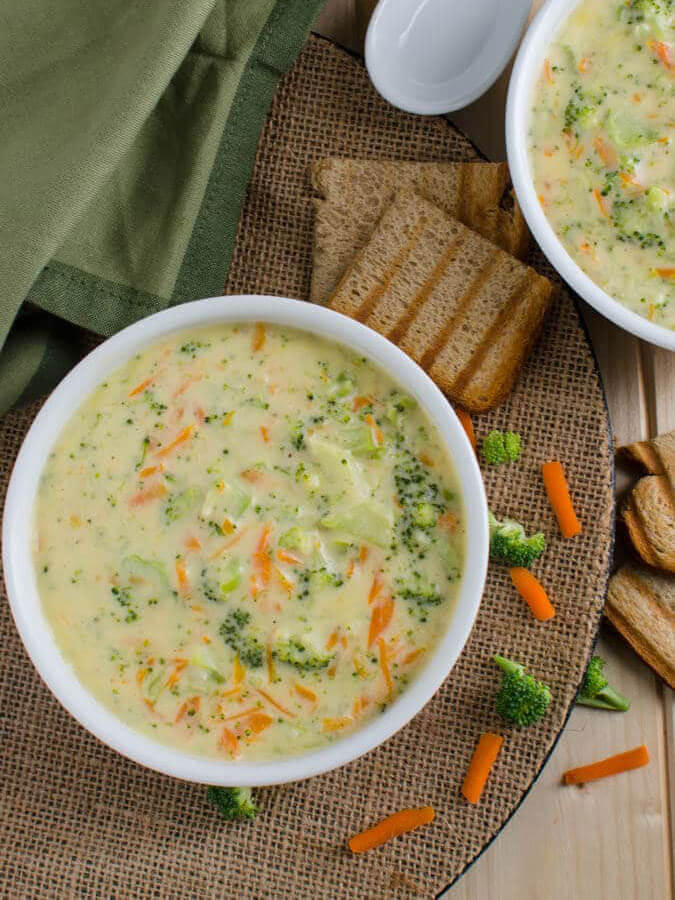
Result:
pixel 129 129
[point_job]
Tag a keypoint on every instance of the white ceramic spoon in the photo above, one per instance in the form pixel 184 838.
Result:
pixel 436 56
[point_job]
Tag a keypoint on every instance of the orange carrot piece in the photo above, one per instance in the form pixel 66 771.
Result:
pixel 607 154
pixel 175 674
pixel 381 617
pixel 413 655
pixel 559 497
pixel 148 471
pixel 375 587
pixel 391 827
pixel 146 496
pixel 231 693
pixel 275 703
pixel 584 63
pixel 259 335
pixel 181 575
pixel 662 50
pixel 286 583
pixel 448 521
pixel 612 765
pixel 532 593
pixel 227 418
pixel 378 437
pixel 600 200
pixel 259 721
pixel 228 740
pixel 228 527
pixel 265 433
pixel 242 714
pixel 176 442
pixel 238 671
pixel 467 425
pixel 193 543
pixel 141 387
pixel 665 273
pixel 360 402
pixel 305 692
pixel 290 558
pixel 384 665
pixel 141 675
pixel 271 668
pixel 483 759
pixel 548 71
pixel 192 703
pixel 252 475
pixel 336 724
pixel 350 568
pixel 332 640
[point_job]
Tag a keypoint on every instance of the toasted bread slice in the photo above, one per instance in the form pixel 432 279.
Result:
pixel 466 311
pixel 649 515
pixel 656 456
pixel 354 194
pixel 641 605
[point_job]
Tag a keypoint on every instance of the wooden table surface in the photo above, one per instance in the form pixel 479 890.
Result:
pixel 612 839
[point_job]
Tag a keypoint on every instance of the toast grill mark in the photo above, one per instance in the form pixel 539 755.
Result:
pixel 418 301
pixel 518 295
pixel 657 607
pixel 371 298
pixel 463 305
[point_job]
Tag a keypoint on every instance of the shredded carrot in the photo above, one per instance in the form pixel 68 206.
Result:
pixel 181 575
pixel 192 704
pixel 231 693
pixel 286 583
pixel 305 692
pixel 206 639
pixel 384 665
pixel 275 703
pixel 391 827
pixel 606 152
pixel 584 63
pixel 628 181
pixel 148 471
pixel 559 497
pixel 413 655
pixel 336 724
pixel 228 740
pixel 665 273
pixel 448 521
pixel 360 402
pixel 363 554
pixel 191 379
pixel 175 674
pixel 259 335
pixel 381 617
pixel 467 425
pixel 350 568
pixel 360 704
pixel 613 765
pixel 265 433
pixel 238 671
pixel 378 437
pixel 242 714
pixel 149 494
pixel 141 675
pixel 532 593
pixel 483 759
pixel 375 587
pixel 200 415
pixel 193 543
pixel 290 558
pixel 252 475
pixel 600 200
pixel 332 640
pixel 261 557
pixel 259 721
pixel 662 50
pixel 142 386
pixel 228 527
pixel 548 71
pixel 228 544
pixel 176 442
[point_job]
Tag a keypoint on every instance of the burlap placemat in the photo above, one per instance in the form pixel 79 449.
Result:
pixel 77 820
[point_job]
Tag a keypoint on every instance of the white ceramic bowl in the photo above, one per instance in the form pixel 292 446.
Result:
pixel 525 73
pixel 18 532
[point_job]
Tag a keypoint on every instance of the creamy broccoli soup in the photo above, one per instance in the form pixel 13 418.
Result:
pixel 601 148
pixel 248 540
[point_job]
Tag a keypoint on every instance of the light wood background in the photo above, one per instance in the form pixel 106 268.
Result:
pixel 612 839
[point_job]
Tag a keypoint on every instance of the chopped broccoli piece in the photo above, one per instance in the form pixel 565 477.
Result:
pixel 510 545
pixel 397 407
pixel 522 700
pixel 221 580
pixel 596 691
pixel 424 515
pixel 368 521
pixel 180 504
pixel 233 802
pixel 304 659
pixel 296 539
pixel 500 447
pixel 233 631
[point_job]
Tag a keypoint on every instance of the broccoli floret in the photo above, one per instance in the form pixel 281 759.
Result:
pixel 500 447
pixel 522 700
pixel 596 690
pixel 295 653
pixel 510 545
pixel 233 802
pixel 233 632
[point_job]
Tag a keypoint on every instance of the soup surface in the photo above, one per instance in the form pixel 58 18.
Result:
pixel 247 541
pixel 601 148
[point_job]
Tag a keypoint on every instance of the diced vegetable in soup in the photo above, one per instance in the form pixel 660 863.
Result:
pixel 601 148
pixel 248 541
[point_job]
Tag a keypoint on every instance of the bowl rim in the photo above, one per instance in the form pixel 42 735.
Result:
pixel 525 70
pixel 17 532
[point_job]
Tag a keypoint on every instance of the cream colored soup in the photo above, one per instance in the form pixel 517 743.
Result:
pixel 248 540
pixel 601 148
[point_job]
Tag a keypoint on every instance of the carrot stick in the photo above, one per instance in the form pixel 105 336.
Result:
pixel 360 402
pixel 600 200
pixel 181 575
pixel 413 655
pixel 265 433
pixel 363 554
pixel 613 765
pixel 606 153
pixel 305 692
pixel 238 671
pixel 532 593
pixel 182 437
pixel 467 425
pixel 548 71
pixel 290 558
pixel 228 740
pixel 259 335
pixel 391 827
pixel 665 273
pixel 252 475
pixel 384 665
pixel 482 761
pixel 193 543
pixel 381 617
pixel 332 640
pixel 242 714
pixel 259 721
pixel 662 50
pixel 336 724
pixel 584 62
pixel 228 526
pixel 142 386
pixel 375 587
pixel 152 493
pixel 559 497
pixel 275 703
pixel 150 470
pixel 286 583
pixel 378 437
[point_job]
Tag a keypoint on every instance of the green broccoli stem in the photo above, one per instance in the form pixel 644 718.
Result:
pixel 606 698
pixel 508 666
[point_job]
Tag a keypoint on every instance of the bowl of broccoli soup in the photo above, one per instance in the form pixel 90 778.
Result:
pixel 245 540
pixel 590 133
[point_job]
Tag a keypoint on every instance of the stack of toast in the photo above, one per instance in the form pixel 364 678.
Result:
pixel 641 601
pixel 429 255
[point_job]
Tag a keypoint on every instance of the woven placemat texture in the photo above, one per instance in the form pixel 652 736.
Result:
pixel 77 820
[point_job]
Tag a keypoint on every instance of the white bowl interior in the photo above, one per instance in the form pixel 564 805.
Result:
pixel 18 528
pixel 526 70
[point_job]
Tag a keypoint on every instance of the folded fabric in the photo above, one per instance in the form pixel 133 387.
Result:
pixel 129 132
